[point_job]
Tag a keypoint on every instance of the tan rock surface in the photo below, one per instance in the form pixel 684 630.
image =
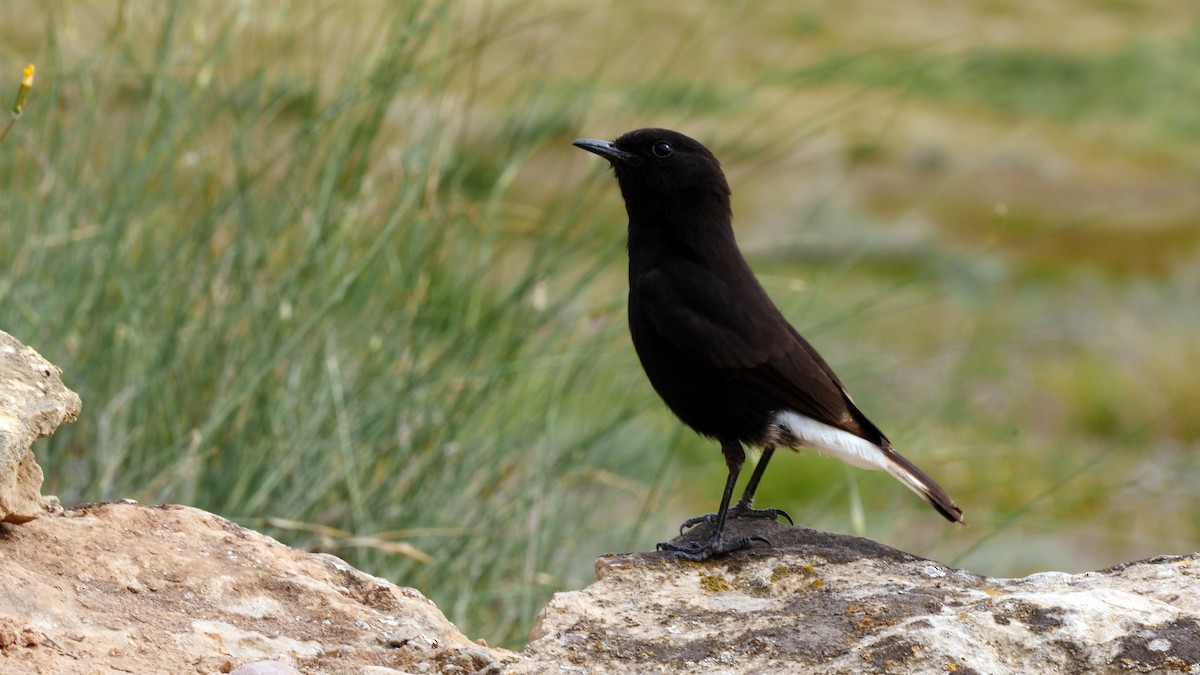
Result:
pixel 122 587
pixel 127 588
pixel 33 403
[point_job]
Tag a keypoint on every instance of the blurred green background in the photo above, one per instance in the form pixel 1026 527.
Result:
pixel 333 270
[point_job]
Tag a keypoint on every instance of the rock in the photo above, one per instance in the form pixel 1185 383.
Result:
pixel 145 589
pixel 33 403
pixel 121 587
pixel 265 668
pixel 819 602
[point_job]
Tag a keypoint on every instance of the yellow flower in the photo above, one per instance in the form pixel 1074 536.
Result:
pixel 22 92
pixel 19 104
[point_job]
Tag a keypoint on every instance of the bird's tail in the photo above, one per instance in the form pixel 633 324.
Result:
pixel 866 453
pixel 916 480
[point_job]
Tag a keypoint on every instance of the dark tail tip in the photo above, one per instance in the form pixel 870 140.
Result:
pixel 923 485
pixel 946 506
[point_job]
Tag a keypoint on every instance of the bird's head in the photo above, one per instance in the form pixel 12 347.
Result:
pixel 663 169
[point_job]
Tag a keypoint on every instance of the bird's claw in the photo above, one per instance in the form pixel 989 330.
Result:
pixel 710 518
pixel 736 512
pixel 767 513
pixel 697 552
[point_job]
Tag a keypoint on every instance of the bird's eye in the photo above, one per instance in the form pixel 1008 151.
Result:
pixel 662 149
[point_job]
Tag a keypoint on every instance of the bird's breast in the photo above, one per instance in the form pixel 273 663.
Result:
pixel 711 401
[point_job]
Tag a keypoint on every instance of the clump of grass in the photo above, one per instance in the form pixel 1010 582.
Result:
pixel 286 297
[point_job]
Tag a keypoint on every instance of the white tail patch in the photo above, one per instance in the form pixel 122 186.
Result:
pixel 847 447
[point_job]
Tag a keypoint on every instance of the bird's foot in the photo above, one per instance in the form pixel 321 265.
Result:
pixel 698 551
pixel 738 511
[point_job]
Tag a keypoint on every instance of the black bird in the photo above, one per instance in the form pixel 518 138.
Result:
pixel 716 349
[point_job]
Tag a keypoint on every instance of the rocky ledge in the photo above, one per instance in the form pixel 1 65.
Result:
pixel 122 587
pixel 829 603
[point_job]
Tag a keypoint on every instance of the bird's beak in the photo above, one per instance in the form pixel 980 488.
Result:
pixel 605 149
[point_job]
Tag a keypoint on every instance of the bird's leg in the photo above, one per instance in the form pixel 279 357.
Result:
pixel 734 456
pixel 743 509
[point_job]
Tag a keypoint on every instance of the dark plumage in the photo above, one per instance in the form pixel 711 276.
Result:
pixel 713 344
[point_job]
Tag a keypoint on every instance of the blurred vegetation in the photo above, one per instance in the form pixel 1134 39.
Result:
pixel 332 270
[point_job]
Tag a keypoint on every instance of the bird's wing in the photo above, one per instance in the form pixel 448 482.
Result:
pixel 740 332
pixel 803 382
pixel 703 315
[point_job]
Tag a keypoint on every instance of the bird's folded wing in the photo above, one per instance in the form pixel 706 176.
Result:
pixel 741 333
